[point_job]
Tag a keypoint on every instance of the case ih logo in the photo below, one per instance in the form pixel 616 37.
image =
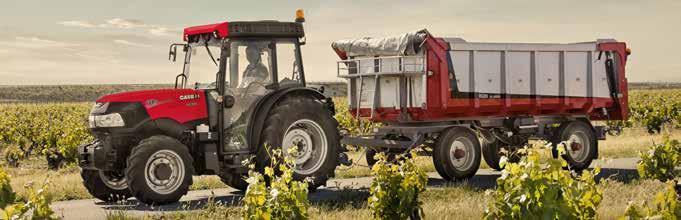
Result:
pixel 189 96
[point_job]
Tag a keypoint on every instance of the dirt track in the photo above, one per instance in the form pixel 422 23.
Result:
pixel 94 209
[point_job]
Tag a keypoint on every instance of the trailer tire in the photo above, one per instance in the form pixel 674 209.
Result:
pixel 457 154
pixel 159 170
pixel 370 153
pixel 583 146
pixel 100 185
pixel 491 153
pixel 303 121
pixel 235 181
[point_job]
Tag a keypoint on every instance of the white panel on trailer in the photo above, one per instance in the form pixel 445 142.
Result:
pixel 487 73
pixel 365 97
pixel 389 87
pixel 461 63
pixel 389 64
pixel 412 64
pixel 367 66
pixel 576 73
pixel 600 79
pixel 518 68
pixel 418 98
pixel 548 73
pixel 518 73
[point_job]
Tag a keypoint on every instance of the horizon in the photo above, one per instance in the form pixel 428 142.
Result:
pixel 125 42
pixel 143 84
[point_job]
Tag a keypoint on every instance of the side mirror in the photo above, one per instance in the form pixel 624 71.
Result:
pixel 172 54
pixel 228 101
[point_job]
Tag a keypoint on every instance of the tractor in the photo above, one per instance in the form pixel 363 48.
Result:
pixel 149 144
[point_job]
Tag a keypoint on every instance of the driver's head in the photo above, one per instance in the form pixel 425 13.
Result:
pixel 253 53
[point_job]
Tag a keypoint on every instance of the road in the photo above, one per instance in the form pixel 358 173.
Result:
pixel 624 169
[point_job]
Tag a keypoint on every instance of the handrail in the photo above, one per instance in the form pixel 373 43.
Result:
pixel 397 66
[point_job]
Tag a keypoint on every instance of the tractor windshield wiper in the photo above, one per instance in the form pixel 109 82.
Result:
pixel 211 54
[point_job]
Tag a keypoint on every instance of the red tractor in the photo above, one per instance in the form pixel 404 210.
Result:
pixel 150 143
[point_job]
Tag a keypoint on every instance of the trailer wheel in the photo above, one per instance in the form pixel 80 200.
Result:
pixel 235 181
pixel 304 122
pixel 581 143
pixel 159 170
pixel 107 186
pixel 491 152
pixel 370 153
pixel 457 154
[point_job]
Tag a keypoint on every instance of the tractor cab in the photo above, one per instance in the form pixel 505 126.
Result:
pixel 251 58
pixel 261 52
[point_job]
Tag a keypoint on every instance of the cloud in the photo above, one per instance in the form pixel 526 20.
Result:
pixel 128 43
pixel 35 43
pixel 159 31
pixel 124 23
pixel 84 24
pixel 120 23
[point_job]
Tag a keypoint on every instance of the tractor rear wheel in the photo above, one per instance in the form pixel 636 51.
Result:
pixel 107 186
pixel 457 154
pixel 580 142
pixel 235 181
pixel 491 152
pixel 303 122
pixel 159 170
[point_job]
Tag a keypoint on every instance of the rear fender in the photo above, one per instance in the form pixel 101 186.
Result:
pixel 265 104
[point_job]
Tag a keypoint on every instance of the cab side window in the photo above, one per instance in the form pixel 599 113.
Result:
pixel 286 63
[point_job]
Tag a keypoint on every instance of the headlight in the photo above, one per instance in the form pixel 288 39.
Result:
pixel 99 108
pixel 110 120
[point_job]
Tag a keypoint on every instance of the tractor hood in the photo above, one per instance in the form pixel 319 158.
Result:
pixel 180 105
pixel 144 95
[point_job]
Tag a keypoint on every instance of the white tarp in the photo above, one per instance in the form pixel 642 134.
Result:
pixel 399 45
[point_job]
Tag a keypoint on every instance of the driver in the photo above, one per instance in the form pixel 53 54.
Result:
pixel 256 71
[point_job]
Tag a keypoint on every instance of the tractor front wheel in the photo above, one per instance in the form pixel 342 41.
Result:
pixel 108 186
pixel 159 170
pixel 235 181
pixel 302 122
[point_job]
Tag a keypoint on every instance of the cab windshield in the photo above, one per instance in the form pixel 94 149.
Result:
pixel 250 63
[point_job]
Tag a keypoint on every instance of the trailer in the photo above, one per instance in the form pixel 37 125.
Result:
pixel 469 100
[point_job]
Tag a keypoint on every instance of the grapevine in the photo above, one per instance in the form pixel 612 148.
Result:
pixel 52 130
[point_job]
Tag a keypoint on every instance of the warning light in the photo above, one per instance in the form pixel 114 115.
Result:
pixel 300 16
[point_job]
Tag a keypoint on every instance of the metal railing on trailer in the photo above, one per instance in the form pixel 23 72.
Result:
pixel 376 68
pixel 403 68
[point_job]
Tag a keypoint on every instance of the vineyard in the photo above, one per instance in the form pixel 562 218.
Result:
pixel 50 130
pixel 56 130
pixel 655 109
pixel 53 131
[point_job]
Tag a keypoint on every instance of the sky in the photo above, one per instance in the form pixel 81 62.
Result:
pixel 126 41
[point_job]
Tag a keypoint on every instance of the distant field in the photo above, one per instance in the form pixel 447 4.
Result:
pixel 89 93
pixel 654 85
pixel 67 93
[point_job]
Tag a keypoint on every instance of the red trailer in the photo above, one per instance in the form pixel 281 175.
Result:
pixel 468 100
